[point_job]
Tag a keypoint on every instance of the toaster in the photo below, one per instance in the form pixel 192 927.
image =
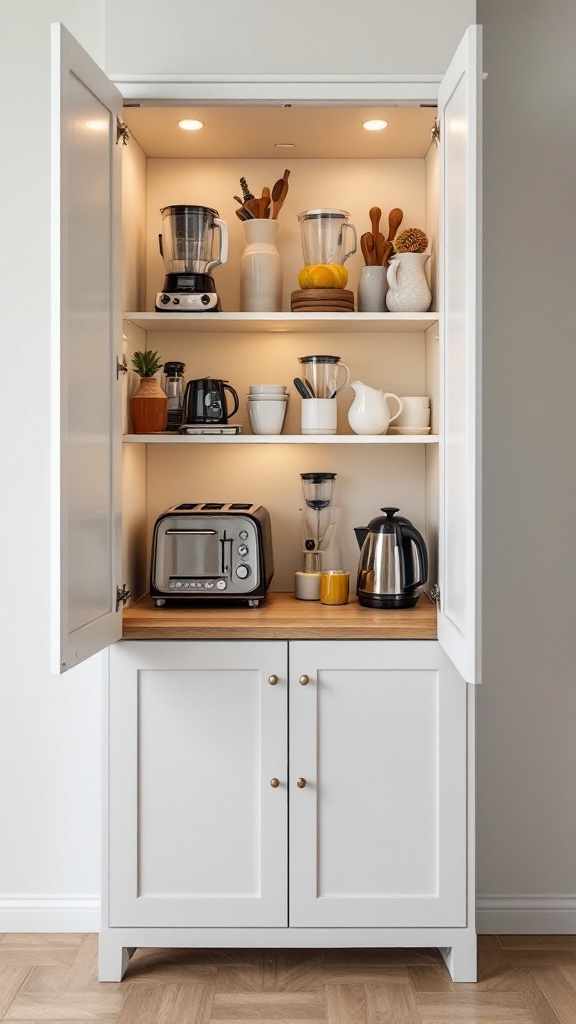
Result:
pixel 213 551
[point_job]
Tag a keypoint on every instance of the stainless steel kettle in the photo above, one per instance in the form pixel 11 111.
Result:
pixel 393 562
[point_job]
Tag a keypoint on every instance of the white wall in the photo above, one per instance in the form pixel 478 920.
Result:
pixel 49 728
pixel 300 37
pixel 527 706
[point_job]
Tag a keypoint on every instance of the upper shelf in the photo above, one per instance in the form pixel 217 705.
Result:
pixel 251 323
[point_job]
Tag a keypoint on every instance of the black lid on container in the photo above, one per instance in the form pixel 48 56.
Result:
pixel 385 525
pixel 319 478
pixel 318 359
pixel 174 210
pixel 174 369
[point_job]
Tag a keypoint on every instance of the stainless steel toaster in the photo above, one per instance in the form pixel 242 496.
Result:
pixel 212 551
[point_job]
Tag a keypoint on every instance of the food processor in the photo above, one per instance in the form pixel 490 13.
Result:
pixel 187 248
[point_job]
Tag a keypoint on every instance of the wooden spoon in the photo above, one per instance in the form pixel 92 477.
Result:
pixel 279 193
pixel 367 247
pixel 394 221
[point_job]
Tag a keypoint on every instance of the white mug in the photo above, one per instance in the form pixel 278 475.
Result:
pixel 319 415
pixel 415 412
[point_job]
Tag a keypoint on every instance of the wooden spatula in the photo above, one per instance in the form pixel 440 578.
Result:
pixel 367 247
pixel 264 203
pixel 279 193
pixel 375 213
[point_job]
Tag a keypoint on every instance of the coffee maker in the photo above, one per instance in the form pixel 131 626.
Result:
pixel 187 248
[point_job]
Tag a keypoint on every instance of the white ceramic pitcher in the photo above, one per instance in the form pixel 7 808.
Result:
pixel 369 412
pixel 408 290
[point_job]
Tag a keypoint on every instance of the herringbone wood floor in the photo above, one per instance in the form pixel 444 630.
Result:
pixel 523 980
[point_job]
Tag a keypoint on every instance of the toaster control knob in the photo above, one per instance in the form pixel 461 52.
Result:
pixel 243 550
pixel 243 535
pixel 243 571
pixel 221 584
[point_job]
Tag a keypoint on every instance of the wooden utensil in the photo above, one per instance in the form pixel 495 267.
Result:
pixel 279 193
pixel 379 241
pixel 253 207
pixel 367 247
pixel 394 221
pixel 264 203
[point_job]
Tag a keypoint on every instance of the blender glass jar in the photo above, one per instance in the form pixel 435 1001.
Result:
pixel 323 236
pixel 187 239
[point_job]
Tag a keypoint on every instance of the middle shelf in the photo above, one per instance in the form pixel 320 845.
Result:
pixel 330 439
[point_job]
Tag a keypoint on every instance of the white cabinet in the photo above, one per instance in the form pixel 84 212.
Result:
pixel 381 834
pixel 203 794
pixel 198 835
pixel 378 833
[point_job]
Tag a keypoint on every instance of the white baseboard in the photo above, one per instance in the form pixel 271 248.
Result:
pixel 504 915
pixel 39 913
pixel 526 915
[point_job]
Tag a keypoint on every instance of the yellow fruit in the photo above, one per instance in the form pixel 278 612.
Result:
pixel 323 275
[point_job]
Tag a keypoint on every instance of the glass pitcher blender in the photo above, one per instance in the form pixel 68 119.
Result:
pixel 323 236
pixel 187 248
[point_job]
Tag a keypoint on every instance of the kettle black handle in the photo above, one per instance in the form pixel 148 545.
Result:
pixel 408 531
pixel 228 387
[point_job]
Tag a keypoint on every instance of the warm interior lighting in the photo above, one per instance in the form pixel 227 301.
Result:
pixel 375 126
pixel 284 145
pixel 190 124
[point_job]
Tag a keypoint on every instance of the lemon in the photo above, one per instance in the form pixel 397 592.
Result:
pixel 323 275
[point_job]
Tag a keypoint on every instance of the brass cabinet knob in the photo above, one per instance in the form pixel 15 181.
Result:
pixel 272 680
pixel 304 680
pixel 274 783
pixel 301 783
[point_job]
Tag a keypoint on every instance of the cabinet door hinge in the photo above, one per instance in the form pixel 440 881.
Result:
pixel 435 131
pixel 435 594
pixel 121 367
pixel 121 596
pixel 122 132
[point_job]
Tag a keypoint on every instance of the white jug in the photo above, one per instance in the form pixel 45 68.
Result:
pixel 408 290
pixel 369 412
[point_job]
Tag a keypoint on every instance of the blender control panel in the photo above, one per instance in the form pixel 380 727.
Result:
pixel 186 302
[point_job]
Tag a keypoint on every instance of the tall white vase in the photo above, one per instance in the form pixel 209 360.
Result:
pixel 260 268
pixel 408 290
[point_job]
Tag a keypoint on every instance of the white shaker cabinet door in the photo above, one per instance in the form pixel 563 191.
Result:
pixel 86 336
pixel 459 104
pixel 198 835
pixel 378 831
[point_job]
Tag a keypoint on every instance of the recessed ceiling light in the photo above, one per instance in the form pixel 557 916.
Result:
pixel 375 126
pixel 284 145
pixel 190 124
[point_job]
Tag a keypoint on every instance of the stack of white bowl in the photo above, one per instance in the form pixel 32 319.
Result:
pixel 267 407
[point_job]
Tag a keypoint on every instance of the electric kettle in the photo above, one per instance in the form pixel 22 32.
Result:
pixel 205 401
pixel 393 562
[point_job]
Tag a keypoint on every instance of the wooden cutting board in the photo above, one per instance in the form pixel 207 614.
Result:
pixel 322 300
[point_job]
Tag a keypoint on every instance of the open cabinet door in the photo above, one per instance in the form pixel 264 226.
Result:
pixel 86 335
pixel 459 106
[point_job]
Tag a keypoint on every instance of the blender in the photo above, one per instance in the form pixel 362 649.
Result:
pixel 323 233
pixel 319 522
pixel 187 248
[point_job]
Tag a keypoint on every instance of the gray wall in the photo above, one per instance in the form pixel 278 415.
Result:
pixel 527 706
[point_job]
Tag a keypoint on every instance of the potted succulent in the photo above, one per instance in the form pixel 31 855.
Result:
pixel 148 404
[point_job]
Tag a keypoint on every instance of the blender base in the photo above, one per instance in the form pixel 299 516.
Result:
pixel 188 293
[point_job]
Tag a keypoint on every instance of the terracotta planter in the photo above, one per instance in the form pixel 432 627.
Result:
pixel 148 406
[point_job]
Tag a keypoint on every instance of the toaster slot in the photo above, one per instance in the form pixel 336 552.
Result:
pixel 226 556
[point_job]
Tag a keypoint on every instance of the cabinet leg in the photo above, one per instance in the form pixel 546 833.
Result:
pixel 461 957
pixel 113 959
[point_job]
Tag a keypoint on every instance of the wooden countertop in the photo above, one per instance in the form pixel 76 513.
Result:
pixel 279 617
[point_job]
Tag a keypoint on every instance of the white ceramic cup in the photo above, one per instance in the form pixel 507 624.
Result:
pixel 267 389
pixel 319 416
pixel 415 412
pixel 267 417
